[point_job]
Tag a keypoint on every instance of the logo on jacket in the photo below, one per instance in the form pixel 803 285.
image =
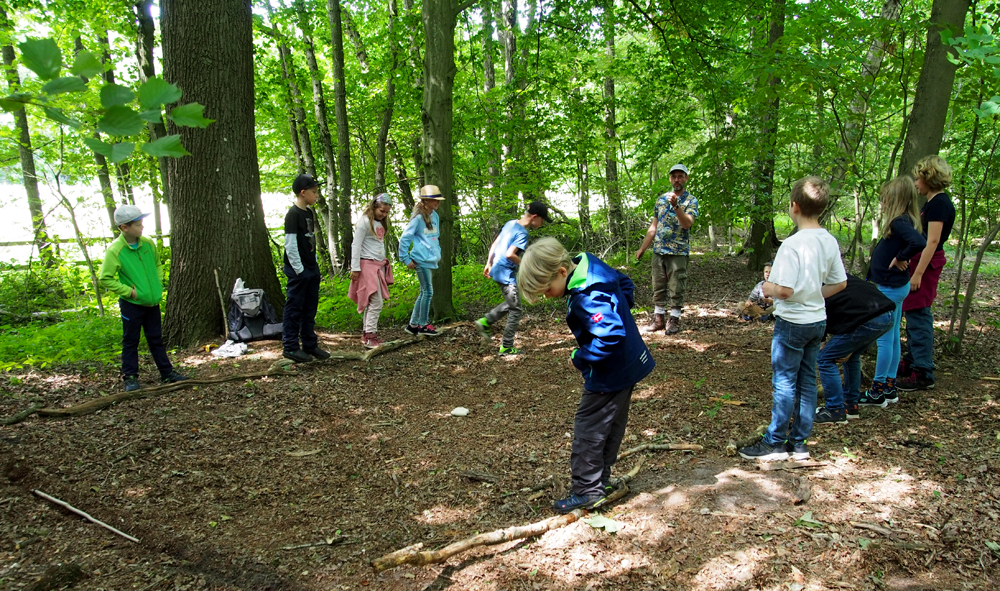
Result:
pixel 597 317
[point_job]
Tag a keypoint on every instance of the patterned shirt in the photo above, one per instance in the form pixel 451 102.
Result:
pixel 757 296
pixel 671 237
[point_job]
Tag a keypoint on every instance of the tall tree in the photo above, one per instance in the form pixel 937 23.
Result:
pixel 937 76
pixel 216 190
pixel 145 41
pixel 611 188
pixel 343 133
pixel 381 144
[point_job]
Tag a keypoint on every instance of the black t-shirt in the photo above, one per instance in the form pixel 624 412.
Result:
pixel 939 209
pixel 301 222
pixel 854 305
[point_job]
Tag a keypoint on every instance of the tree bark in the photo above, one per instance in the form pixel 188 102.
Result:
pixel 216 190
pixel 930 103
pixel 123 172
pixel 343 138
pixel 352 33
pixel 611 188
pixel 436 113
pixel 399 166
pixel 145 41
pixel 491 134
pixel 510 149
pixel 390 97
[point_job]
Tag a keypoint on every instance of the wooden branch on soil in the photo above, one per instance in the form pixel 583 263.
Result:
pixel 790 465
pixel 661 447
pixel 73 509
pixel 24 414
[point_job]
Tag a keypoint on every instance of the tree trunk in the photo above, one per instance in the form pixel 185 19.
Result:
pixel 216 190
pixel 611 188
pixel 511 153
pixel 436 113
pixel 390 97
pixel 39 229
pixel 145 41
pixel 343 137
pixel 123 172
pixel 971 290
pixel 762 226
pixel 930 103
pixel 583 182
pixel 401 179
pixel 352 33
pixel 492 136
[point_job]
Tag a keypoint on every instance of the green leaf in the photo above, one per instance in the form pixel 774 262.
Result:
pixel 152 116
pixel 190 115
pixel 155 92
pixel 11 104
pixel 98 146
pixel 120 120
pixel 113 95
pixel 599 521
pixel 58 116
pixel 993 546
pixel 65 84
pixel 807 520
pixel 41 56
pixel 166 146
pixel 121 151
pixel 87 65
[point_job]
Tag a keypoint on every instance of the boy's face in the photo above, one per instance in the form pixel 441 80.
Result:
pixel 557 287
pixel 536 222
pixel 767 272
pixel 309 196
pixel 132 230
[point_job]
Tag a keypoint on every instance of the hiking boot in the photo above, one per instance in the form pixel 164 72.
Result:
pixel 657 324
pixel 798 451
pixel 918 380
pixel 317 352
pixel 483 328
pixel 764 452
pixel 829 415
pixel 575 501
pixel 890 393
pixel 429 331
pixel 508 351
pixel 412 329
pixel 874 396
pixel 297 356
pixel 673 324
pixel 172 377
pixel 132 383
pixel 852 411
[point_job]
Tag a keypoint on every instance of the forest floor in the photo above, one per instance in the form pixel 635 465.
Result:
pixel 226 485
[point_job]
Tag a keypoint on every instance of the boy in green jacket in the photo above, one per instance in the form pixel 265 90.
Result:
pixel 132 269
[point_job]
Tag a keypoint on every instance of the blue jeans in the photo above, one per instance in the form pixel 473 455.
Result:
pixel 794 350
pixel 422 307
pixel 851 345
pixel 888 344
pixel 920 340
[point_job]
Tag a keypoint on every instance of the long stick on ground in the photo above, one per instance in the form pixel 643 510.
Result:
pixel 69 507
pixel 222 304
pixel 660 447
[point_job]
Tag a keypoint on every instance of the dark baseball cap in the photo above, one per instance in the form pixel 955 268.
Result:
pixel 540 209
pixel 303 182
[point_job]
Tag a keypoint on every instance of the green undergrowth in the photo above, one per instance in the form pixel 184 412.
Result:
pixel 83 337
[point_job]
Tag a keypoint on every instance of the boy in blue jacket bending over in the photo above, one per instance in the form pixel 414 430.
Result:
pixel 611 355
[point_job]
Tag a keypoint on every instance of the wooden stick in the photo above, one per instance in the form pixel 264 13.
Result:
pixel 875 528
pixel 222 305
pixel 69 507
pixel 661 447
pixel 24 414
pixel 790 465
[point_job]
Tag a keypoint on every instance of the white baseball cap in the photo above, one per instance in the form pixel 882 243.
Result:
pixel 679 167
pixel 126 214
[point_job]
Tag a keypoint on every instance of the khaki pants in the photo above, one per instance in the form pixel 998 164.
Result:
pixel 670 272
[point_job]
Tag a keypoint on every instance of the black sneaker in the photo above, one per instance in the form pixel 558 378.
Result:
pixel 575 501
pixel 829 415
pixel 798 451
pixel 297 356
pixel 874 396
pixel 411 329
pixel 429 331
pixel 764 452
pixel 172 377
pixel 890 393
pixel 317 353
pixel 852 411
pixel 132 383
pixel 918 380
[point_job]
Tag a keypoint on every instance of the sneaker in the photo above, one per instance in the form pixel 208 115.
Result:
pixel 297 356
pixel 483 328
pixel 317 352
pixel 874 396
pixel 918 380
pixel 411 329
pixel 673 324
pixel 852 411
pixel 172 377
pixel 746 318
pixel 370 340
pixel 829 415
pixel 132 383
pixel 890 393
pixel 508 351
pixel 429 331
pixel 764 452
pixel 575 501
pixel 767 318
pixel 798 451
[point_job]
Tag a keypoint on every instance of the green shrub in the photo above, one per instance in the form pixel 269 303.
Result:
pixel 83 337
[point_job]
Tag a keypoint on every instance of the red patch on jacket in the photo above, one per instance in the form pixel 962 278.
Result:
pixel 597 318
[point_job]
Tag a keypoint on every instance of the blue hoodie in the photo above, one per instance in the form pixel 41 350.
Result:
pixel 612 356
pixel 426 251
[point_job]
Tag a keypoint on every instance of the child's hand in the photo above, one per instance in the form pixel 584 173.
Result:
pixel 355 275
pixel 411 265
pixel 901 265
pixel 132 296
pixel 486 271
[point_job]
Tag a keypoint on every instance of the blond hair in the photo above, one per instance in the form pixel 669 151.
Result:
pixel 935 172
pixel 369 213
pixel 423 212
pixel 811 193
pixel 898 197
pixel 539 267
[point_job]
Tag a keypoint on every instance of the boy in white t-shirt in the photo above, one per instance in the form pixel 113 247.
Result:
pixel 806 270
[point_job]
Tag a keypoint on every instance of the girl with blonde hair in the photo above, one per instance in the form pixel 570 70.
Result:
pixel 420 250
pixel 371 272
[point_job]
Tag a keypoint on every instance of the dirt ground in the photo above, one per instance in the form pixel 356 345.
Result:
pixel 298 482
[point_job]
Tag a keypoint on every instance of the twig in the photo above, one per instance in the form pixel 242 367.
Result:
pixel 875 528
pixel 326 542
pixel 480 476
pixel 24 414
pixel 661 447
pixel 727 401
pixel 69 507
pixel 790 465
pixel 222 304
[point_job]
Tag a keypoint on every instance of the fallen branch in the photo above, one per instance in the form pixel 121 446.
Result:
pixel 326 542
pixel 69 507
pixel 661 447
pixel 727 401
pixel 24 414
pixel 479 476
pixel 790 465
pixel 733 446
pixel 875 528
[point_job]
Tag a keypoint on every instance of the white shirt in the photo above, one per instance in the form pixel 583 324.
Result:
pixel 806 260
pixel 367 244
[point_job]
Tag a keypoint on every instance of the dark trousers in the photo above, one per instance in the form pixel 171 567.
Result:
pixel 136 320
pixel 598 429
pixel 301 301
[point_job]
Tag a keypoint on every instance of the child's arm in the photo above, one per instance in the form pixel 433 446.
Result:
pixel 361 231
pixel 627 287
pixel 406 240
pixel 830 289
pixel 779 292
pixel 489 257
pixel 109 276
pixel 915 242
pixel 598 315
